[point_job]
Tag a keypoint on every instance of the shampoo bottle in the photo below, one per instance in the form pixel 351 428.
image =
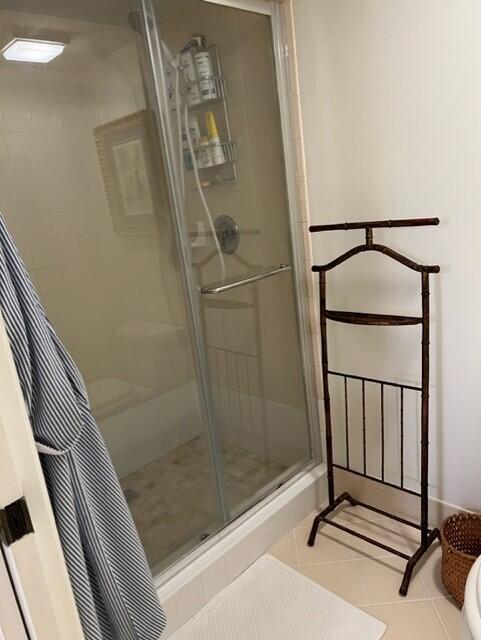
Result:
pixel 204 159
pixel 188 68
pixel 216 150
pixel 203 66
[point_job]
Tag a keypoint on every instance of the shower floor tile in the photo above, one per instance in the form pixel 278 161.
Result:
pixel 173 498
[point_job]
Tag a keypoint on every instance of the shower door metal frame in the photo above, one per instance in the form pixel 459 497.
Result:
pixel 256 6
pixel 282 54
pixel 276 14
pixel 157 62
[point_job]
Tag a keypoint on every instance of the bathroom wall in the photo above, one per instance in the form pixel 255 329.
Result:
pixel 114 298
pixel 391 97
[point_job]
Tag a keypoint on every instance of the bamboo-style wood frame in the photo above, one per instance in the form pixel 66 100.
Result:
pixel 350 317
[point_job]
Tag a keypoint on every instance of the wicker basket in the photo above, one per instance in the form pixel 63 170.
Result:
pixel 461 545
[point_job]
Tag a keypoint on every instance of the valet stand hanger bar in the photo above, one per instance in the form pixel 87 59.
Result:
pixel 428 536
pixel 375 224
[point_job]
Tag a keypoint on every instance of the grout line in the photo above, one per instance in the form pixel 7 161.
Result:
pixel 294 539
pixel 354 559
pixel 363 586
pixel 376 524
pixel 419 574
pixel 404 601
pixel 317 564
pixel 448 635
pixel 359 555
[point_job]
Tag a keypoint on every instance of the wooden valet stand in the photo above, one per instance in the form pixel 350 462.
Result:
pixel 373 319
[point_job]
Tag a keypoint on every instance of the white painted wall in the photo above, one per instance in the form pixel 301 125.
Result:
pixel 391 108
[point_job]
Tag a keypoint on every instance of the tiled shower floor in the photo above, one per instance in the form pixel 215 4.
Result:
pixel 172 499
pixel 369 578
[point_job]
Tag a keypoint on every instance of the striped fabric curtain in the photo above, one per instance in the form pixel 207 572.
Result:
pixel 110 577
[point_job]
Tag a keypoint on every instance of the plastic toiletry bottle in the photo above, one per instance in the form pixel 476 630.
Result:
pixel 186 151
pixel 170 84
pixel 194 138
pixel 205 157
pixel 216 150
pixel 194 130
pixel 187 65
pixel 205 73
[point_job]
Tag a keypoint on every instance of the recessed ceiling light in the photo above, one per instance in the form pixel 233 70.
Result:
pixel 29 50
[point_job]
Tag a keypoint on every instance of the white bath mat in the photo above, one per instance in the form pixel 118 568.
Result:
pixel 271 601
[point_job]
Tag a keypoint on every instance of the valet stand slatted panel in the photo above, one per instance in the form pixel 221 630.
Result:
pixel 427 535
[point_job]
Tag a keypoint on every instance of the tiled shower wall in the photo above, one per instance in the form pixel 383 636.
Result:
pixel 54 202
pixel 114 299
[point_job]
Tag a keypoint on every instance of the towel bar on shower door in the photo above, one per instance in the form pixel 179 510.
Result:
pixel 227 285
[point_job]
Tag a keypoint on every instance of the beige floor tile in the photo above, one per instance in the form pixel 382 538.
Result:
pixel 384 531
pixel 285 550
pixel 366 607
pixel 408 620
pixel 307 522
pixel 430 572
pixel 382 578
pixel 342 578
pixel 450 615
pixel 326 549
pixel 412 535
pixel 347 513
pixel 413 538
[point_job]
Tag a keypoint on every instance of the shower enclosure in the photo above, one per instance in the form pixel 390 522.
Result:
pixel 142 175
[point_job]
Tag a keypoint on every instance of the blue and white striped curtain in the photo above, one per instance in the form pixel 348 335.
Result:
pixel 110 577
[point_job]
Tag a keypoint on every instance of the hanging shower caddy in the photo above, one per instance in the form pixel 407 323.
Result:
pixel 226 172
pixel 373 319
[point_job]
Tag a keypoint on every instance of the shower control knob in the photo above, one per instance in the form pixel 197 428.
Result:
pixel 228 233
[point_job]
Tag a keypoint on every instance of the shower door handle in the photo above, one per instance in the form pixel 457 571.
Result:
pixel 227 285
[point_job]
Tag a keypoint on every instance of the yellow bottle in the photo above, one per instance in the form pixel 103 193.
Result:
pixel 217 152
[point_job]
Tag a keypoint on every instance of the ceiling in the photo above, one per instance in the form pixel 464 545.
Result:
pixel 82 24
pixel 109 12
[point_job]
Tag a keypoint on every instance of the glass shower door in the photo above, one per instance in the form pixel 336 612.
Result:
pixel 220 108
pixel 146 252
